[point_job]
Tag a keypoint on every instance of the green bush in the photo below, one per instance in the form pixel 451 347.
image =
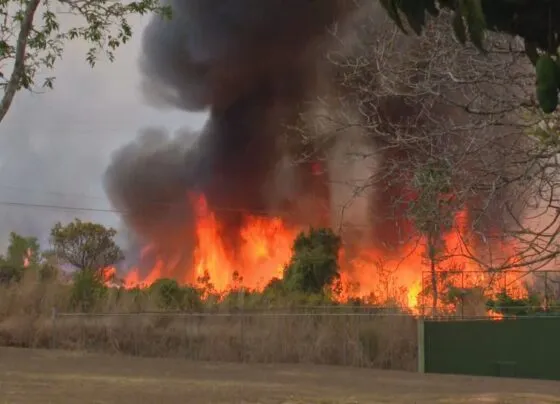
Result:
pixel 88 289
pixel 314 263
pixel 169 295
pixel 509 306
pixel 10 273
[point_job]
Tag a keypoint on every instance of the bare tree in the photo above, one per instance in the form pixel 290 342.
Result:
pixel 429 102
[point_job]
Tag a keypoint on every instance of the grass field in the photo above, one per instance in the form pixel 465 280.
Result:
pixel 38 376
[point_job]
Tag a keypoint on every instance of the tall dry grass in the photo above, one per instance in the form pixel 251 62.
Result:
pixel 126 324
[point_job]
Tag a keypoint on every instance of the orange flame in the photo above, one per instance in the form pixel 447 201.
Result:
pixel 265 249
pixel 27 257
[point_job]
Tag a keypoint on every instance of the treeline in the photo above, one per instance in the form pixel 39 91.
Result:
pixel 81 251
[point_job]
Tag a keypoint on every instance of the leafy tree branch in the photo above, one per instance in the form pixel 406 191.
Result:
pixel 33 37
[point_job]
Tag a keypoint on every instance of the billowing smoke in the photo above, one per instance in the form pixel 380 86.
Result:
pixel 259 68
pixel 253 64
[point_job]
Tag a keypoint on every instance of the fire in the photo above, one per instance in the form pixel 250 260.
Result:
pixel 266 246
pixel 27 257
pixel 265 249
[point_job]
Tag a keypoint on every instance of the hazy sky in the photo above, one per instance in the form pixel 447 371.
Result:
pixel 55 146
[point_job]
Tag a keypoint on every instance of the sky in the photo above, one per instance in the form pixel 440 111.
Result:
pixel 54 146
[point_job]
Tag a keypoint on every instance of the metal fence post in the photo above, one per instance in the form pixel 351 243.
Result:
pixel 53 336
pixel 242 325
pixel 346 327
pixel 185 325
pixel 421 340
pixel 546 306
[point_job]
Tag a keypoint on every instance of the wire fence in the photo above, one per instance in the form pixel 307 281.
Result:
pixel 374 337
pixel 511 292
pixel 366 339
pixel 354 335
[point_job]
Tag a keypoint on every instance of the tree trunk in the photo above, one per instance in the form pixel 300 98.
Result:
pixel 434 285
pixel 14 82
pixel 432 250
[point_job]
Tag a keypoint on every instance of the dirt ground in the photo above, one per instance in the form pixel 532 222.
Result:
pixel 36 376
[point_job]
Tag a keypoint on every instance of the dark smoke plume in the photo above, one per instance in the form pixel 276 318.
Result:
pixel 215 53
pixel 256 65
pixel 251 63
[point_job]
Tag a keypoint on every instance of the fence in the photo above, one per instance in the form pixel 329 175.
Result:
pixel 363 337
pixel 367 338
pixel 521 344
pixel 467 292
pixel 522 347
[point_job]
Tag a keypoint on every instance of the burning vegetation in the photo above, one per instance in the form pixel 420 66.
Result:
pixel 274 256
pixel 412 150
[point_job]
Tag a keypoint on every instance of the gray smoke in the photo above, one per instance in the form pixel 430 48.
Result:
pixel 256 65
pixel 253 64
pixel 215 53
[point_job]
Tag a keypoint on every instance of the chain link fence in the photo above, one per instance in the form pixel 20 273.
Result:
pixel 472 294
pixel 366 338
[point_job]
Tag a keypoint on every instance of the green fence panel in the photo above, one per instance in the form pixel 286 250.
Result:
pixel 523 347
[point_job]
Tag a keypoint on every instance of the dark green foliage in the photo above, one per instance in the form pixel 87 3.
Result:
pixel 548 83
pixel 274 287
pixel 22 253
pixel 242 299
pixel 393 11
pixel 167 292
pixel 476 22
pixel 86 245
pixel 88 288
pixel 508 306
pixel 171 296
pixel 415 15
pixel 471 11
pixel 314 262
pixel 459 27
pixel 10 273
pixel 536 21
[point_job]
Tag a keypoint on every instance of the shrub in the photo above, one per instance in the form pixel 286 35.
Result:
pixel 314 263
pixel 169 295
pixel 88 289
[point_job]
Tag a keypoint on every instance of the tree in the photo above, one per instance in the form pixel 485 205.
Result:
pixel 33 35
pixel 314 262
pixel 86 245
pixel 88 288
pixel 170 295
pixel 536 21
pixel 510 306
pixel 22 252
pixel 431 107
pixel 432 212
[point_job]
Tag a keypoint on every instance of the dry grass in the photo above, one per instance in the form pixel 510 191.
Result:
pixel 387 342
pixel 62 377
